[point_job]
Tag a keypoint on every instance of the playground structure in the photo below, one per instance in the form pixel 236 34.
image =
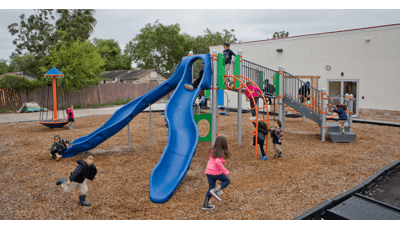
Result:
pixel 55 121
pixel 183 134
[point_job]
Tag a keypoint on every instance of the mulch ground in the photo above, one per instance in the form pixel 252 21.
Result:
pixel 309 173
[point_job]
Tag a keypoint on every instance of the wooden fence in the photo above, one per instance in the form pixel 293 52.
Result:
pixel 98 94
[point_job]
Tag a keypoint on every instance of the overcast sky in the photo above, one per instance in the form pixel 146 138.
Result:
pixel 249 25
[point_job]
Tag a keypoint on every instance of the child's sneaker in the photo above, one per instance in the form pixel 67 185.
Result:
pixel 216 192
pixel 279 155
pixel 189 87
pixel 62 181
pixel 264 158
pixel 207 204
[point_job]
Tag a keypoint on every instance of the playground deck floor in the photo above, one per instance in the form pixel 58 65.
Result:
pixel 309 173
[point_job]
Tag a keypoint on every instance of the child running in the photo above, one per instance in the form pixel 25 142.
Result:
pixel 70 113
pixel 216 171
pixel 262 133
pixel 277 137
pixel 58 147
pixel 341 111
pixel 85 169
pixel 252 89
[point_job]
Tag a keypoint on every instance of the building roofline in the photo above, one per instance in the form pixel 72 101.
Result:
pixel 307 35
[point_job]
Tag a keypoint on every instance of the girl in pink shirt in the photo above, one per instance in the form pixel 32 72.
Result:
pixel 255 91
pixel 216 171
pixel 70 113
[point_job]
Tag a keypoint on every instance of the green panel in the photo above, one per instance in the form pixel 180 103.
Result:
pixel 276 83
pixel 207 117
pixel 236 69
pixel 208 94
pixel 262 80
pixel 221 71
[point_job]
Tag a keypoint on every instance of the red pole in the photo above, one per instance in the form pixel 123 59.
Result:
pixel 55 98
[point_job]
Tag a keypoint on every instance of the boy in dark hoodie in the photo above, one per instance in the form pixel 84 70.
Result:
pixel 262 133
pixel 85 169
pixel 341 111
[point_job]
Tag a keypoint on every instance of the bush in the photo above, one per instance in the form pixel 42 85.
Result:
pixel 122 101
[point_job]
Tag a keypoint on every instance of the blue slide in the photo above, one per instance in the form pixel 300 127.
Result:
pixel 125 114
pixel 183 134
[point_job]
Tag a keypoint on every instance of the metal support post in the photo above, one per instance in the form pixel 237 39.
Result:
pixel 351 113
pixel 129 143
pixel 323 108
pixel 239 110
pixel 280 98
pixel 214 104
pixel 150 124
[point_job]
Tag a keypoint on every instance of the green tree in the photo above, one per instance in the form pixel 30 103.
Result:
pixel 3 66
pixel 157 47
pixel 18 84
pixel 26 63
pixel 111 53
pixel 80 62
pixel 77 23
pixel 200 44
pixel 36 34
pixel 281 34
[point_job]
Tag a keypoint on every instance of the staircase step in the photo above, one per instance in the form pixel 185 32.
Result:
pixel 339 137
pixel 333 127
pixel 359 207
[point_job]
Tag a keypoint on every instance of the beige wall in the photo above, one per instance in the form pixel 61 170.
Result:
pixel 146 79
pixel 375 64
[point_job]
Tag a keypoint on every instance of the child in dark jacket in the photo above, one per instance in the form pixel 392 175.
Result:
pixel 262 134
pixel 85 169
pixel 277 137
pixel 58 147
pixel 341 111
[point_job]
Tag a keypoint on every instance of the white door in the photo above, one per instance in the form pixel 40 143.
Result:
pixel 337 89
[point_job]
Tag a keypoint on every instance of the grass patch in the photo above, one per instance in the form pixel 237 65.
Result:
pixel 8 110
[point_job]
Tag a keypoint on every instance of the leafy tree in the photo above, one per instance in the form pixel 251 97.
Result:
pixel 77 23
pixel 111 53
pixel 157 47
pixel 80 62
pixel 281 34
pixel 18 84
pixel 26 63
pixel 36 34
pixel 200 44
pixel 3 66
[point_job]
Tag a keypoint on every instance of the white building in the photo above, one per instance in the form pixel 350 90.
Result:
pixel 364 62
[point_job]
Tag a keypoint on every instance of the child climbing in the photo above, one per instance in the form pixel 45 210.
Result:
pixel 58 147
pixel 216 171
pixel 255 91
pixel 196 83
pixel 70 113
pixel 85 169
pixel 341 111
pixel 228 54
pixel 262 133
pixel 277 137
